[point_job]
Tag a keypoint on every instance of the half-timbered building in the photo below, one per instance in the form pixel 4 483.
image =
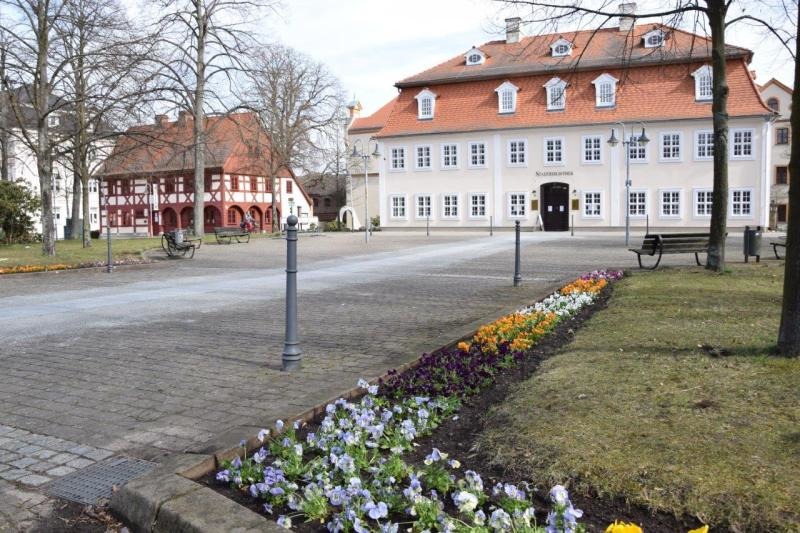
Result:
pixel 148 182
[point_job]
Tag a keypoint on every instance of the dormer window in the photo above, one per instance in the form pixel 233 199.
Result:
pixel 773 104
pixel 426 103
pixel 605 90
pixel 560 48
pixel 556 94
pixel 507 97
pixel 703 84
pixel 653 39
pixel 475 57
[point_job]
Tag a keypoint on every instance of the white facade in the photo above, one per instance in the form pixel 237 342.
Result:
pixel 780 97
pixel 22 165
pixel 500 177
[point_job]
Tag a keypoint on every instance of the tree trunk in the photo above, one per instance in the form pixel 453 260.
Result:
pixel 44 157
pixel 199 122
pixel 5 110
pixel 75 224
pixel 273 207
pixel 717 10
pixel 789 333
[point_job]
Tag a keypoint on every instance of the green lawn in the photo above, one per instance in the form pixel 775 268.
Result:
pixel 71 252
pixel 669 398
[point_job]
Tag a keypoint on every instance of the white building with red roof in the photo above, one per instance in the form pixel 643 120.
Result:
pixel 517 129
pixel 779 99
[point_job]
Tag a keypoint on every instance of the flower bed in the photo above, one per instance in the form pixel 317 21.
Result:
pixel 24 269
pixel 350 473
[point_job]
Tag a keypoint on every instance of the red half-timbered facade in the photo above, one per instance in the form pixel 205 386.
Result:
pixel 148 182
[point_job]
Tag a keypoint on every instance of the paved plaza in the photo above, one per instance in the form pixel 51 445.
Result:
pixel 167 357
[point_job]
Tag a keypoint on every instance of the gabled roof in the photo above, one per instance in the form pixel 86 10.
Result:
pixel 777 82
pixel 375 121
pixel 592 49
pixel 235 143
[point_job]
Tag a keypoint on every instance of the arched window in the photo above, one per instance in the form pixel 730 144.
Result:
pixel 605 90
pixel 507 97
pixel 774 104
pixel 556 94
pixel 426 102
pixel 703 84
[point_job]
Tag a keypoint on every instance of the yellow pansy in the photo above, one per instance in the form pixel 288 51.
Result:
pixel 622 527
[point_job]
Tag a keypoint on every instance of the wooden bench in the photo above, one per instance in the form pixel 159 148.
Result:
pixel 231 233
pixel 780 243
pixel 672 243
pixel 175 245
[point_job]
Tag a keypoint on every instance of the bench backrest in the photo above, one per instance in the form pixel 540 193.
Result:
pixel 678 241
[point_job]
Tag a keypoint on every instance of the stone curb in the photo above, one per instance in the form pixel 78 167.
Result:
pixel 168 498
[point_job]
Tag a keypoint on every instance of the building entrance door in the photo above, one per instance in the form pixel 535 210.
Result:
pixel 555 206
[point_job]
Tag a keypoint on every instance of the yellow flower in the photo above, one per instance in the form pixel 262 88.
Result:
pixel 463 346
pixel 622 527
pixel 703 529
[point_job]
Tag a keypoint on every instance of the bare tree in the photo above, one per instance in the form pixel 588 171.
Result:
pixel 203 45
pixel 5 112
pixel 716 16
pixel 28 81
pixel 106 85
pixel 300 104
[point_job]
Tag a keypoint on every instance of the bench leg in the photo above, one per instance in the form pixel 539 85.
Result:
pixel 697 259
pixel 775 249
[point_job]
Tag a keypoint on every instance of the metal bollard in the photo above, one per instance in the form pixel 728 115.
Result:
pixel 517 274
pixel 428 226
pixel 491 226
pixel 291 346
pixel 109 263
pixel 572 227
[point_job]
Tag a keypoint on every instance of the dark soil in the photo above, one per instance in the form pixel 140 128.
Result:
pixel 457 438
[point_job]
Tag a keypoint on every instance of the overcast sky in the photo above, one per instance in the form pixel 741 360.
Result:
pixel 371 44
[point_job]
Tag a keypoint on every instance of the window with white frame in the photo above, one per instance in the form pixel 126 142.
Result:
pixel 449 206
pixel 704 145
pixel 605 87
pixel 398 206
pixel 637 151
pixel 560 48
pixel 592 206
pixel 449 156
pixel 507 97
pixel 477 205
pixel 703 84
pixel 93 214
pixel 556 90
pixel 424 206
pixel 516 204
pixel 474 57
pixel 741 202
pixel 703 200
pixel 398 158
pixel 670 203
pixel 92 185
pixel 742 145
pixel 518 152
pixel 653 39
pixel 592 149
pixel 426 102
pixel 553 151
pixel 477 154
pixel 423 159
pixel 670 146
pixel 637 204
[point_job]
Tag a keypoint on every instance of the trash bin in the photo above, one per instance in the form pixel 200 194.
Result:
pixel 752 242
pixel 178 236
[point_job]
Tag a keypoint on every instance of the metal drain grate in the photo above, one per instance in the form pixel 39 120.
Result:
pixel 94 482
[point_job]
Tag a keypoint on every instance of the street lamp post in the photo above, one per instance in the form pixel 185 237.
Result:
pixel 642 140
pixel 365 158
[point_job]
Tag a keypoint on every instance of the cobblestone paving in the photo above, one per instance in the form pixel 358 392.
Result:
pixel 162 358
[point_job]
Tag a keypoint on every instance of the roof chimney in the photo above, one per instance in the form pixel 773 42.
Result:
pixel 161 120
pixel 626 22
pixel 512 30
pixel 182 118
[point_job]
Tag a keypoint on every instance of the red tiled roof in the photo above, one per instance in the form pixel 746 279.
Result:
pixel 375 121
pixel 592 49
pixel 645 93
pixel 235 143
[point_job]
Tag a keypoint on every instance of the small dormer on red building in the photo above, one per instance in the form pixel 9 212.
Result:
pixel 148 181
